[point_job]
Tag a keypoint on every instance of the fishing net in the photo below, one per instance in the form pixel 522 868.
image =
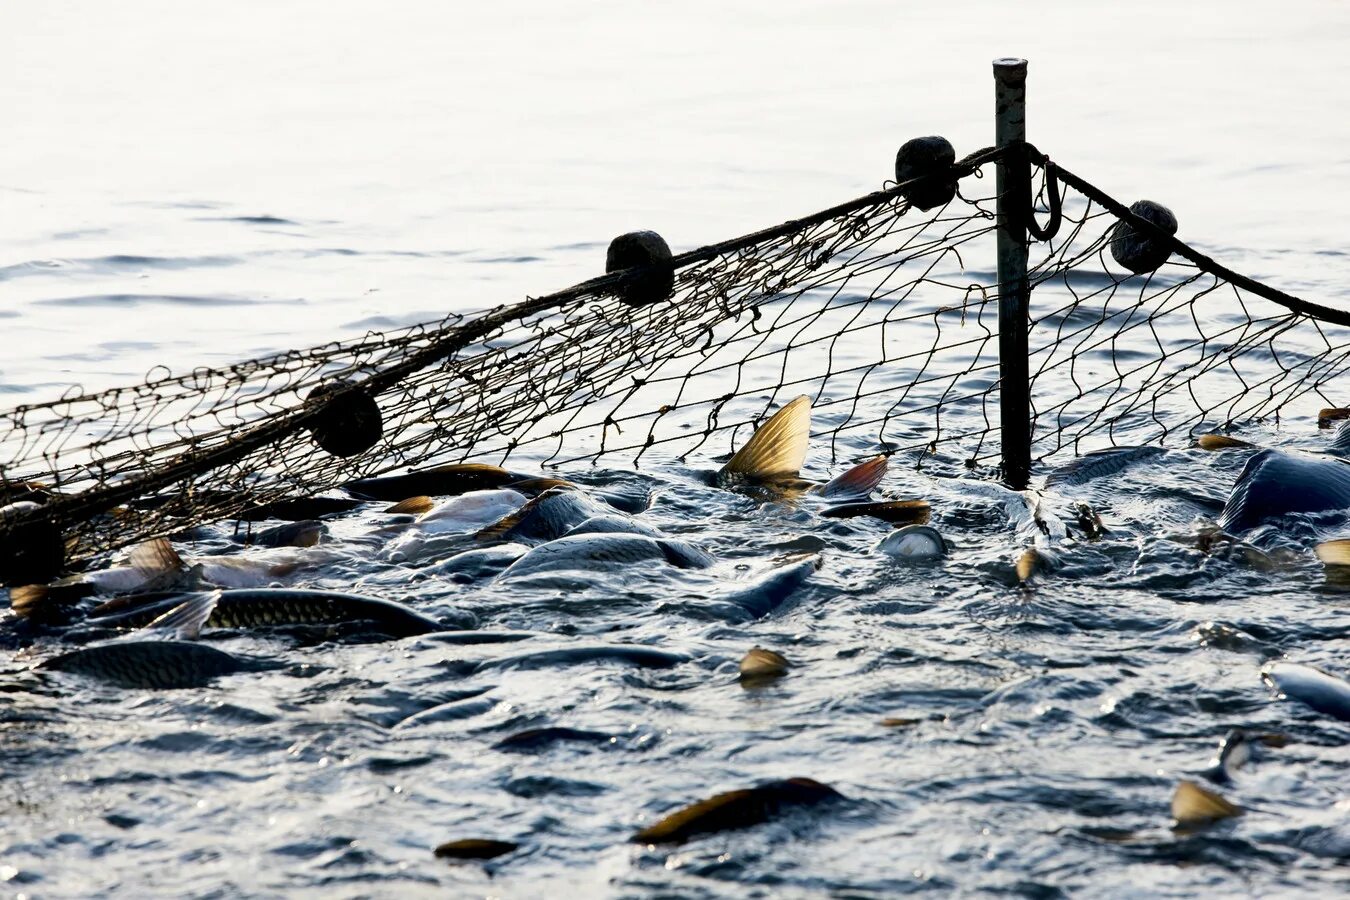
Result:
pixel 884 313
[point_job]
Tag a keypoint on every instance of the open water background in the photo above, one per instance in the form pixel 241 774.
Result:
pixel 184 186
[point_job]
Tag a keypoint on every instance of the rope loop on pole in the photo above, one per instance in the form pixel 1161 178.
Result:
pixel 1053 202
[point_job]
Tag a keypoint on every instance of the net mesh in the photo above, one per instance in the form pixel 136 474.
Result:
pixel 884 314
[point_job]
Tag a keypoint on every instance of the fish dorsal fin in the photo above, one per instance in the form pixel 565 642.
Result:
pixel 858 481
pixel 187 618
pixel 415 506
pixel 1334 553
pixel 156 557
pixel 778 448
pixel 27 601
pixel 1193 805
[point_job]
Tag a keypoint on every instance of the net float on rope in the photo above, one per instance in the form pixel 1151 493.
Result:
pixel 1138 252
pixel 349 423
pixel 648 251
pixel 922 156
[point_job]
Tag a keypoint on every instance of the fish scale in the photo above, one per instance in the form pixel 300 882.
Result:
pixel 280 606
pixel 149 664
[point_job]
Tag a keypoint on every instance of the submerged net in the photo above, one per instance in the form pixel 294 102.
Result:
pixel 884 314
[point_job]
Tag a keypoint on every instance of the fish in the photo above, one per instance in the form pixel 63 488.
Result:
pixel 546 517
pixel 632 654
pixel 914 543
pixel 304 533
pixel 908 512
pixel 1214 442
pixel 1313 688
pixel 475 848
pixel 263 607
pixel 155 665
pixel 613 524
pixel 438 481
pixel 541 738
pixel 463 515
pixel 1194 807
pixel 734 810
pixel 768 591
pixel 1099 464
pixel 1274 483
pixel 597 552
pixel 1236 751
pixel 760 666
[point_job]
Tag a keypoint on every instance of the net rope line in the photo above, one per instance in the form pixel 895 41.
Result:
pixel 869 307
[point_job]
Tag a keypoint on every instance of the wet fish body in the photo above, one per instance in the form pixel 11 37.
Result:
pixel 599 552
pixel 1314 688
pixel 1274 483
pixel 736 809
pixel 158 665
pixel 546 517
pixel 282 606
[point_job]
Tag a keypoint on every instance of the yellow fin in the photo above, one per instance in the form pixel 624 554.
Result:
pixel 760 664
pixel 778 448
pixel 412 506
pixel 29 601
pixel 1331 414
pixel 1193 805
pixel 156 557
pixel 1028 564
pixel 1334 553
pixel 1220 442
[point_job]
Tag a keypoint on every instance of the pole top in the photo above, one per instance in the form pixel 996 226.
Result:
pixel 1010 70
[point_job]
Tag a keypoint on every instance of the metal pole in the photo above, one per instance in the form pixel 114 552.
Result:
pixel 1013 205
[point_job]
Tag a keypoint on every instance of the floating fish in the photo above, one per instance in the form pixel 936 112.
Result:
pixel 1314 688
pixel 600 552
pixel 439 481
pixel 305 533
pixel 1275 483
pixel 546 517
pixel 461 515
pixel 150 664
pixel 263 607
pixel 1222 442
pixel 736 809
pixel 1236 751
pixel 914 543
pixel 475 848
pixel 540 738
pixel 761 665
pixel 915 512
pixel 1194 806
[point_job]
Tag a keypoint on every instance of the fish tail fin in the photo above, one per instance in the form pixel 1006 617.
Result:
pixel 778 448
pixel 858 481
pixel 412 506
pixel 156 557
pixel 45 604
pixel 187 618
pixel 1193 805
pixel 1034 561
pixel 1334 553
